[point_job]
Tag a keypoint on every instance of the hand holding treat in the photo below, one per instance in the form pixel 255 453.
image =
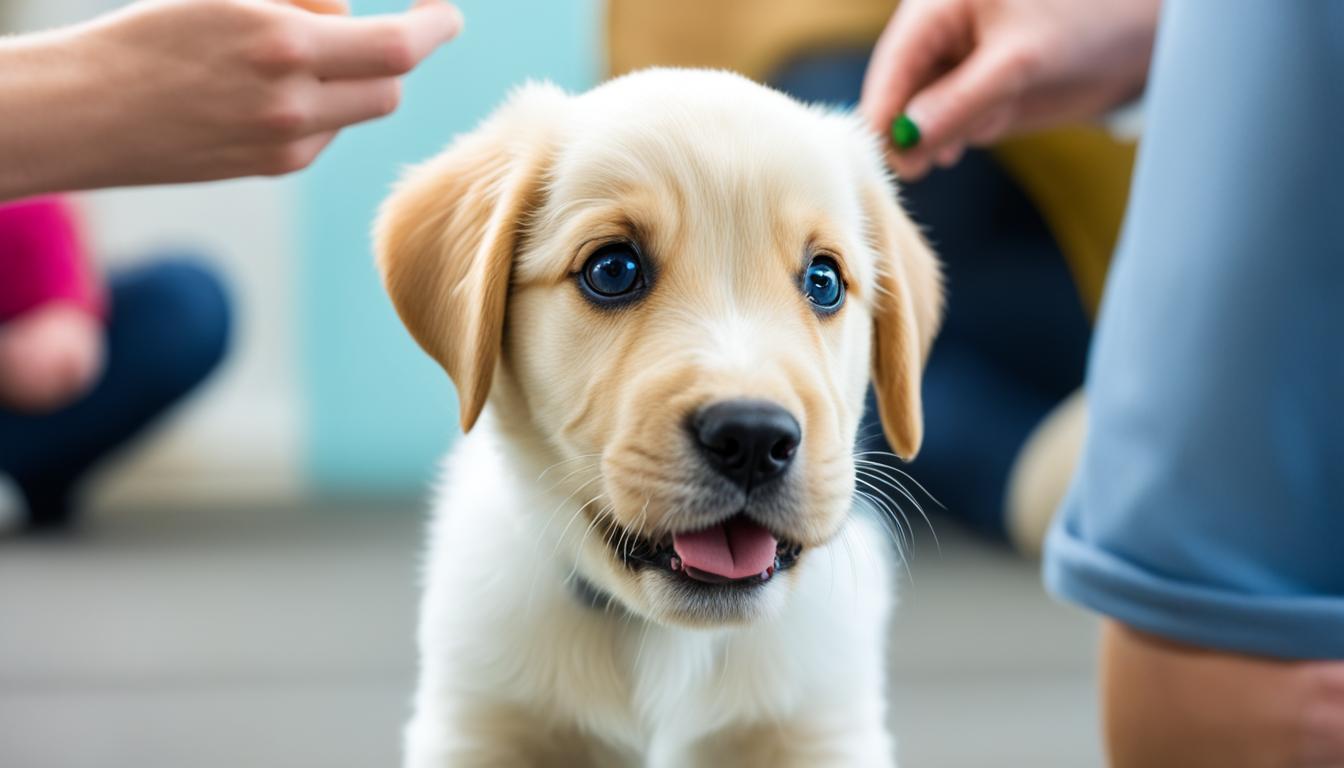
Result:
pixel 948 74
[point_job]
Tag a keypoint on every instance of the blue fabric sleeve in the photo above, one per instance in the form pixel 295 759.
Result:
pixel 1209 502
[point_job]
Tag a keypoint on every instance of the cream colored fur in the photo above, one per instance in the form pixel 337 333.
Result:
pixel 577 424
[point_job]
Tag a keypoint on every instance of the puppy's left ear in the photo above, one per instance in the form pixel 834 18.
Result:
pixel 907 313
pixel 446 238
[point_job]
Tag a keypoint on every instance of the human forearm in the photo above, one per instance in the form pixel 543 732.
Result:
pixel 117 103
pixel 49 130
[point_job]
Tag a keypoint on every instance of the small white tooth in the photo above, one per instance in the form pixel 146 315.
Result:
pixel 765 575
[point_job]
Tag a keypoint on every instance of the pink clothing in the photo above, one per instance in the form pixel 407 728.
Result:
pixel 42 258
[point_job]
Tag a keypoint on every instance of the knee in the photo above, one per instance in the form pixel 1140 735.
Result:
pixel 192 318
pixel 48 357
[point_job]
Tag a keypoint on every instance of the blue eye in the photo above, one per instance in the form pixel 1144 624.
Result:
pixel 614 272
pixel 822 284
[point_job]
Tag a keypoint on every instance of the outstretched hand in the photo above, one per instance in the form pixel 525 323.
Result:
pixel 969 72
pixel 191 90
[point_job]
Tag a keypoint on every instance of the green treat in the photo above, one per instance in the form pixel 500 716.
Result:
pixel 904 132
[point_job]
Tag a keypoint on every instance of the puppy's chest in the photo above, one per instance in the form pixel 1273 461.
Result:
pixel 661 686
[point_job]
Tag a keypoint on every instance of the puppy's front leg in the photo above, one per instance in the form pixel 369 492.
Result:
pixel 494 735
pixel 796 745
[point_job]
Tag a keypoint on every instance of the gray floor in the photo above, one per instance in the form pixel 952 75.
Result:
pixel 282 639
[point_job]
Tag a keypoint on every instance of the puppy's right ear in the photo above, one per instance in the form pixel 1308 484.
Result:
pixel 446 238
pixel 909 309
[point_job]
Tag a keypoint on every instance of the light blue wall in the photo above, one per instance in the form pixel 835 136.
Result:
pixel 379 412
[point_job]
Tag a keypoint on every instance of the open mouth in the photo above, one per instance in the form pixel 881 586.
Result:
pixel 737 551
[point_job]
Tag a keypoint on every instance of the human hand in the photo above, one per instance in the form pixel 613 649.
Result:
pixel 969 72
pixel 192 90
pixel 49 356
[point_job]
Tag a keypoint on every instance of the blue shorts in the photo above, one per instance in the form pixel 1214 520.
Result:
pixel 1209 502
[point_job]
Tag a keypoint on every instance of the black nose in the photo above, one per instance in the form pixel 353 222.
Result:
pixel 748 441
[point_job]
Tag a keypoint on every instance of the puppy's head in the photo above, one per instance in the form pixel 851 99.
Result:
pixel 680 282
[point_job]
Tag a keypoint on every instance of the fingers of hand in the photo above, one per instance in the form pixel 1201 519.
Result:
pixel 960 102
pixel 918 39
pixel 971 105
pixel 346 102
pixel 909 167
pixel 304 107
pixel 280 159
pixel 382 46
pixel 327 72
pixel 950 155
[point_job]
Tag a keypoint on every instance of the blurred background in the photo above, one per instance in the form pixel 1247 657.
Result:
pixel 240 589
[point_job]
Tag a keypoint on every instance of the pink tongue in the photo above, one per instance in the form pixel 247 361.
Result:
pixel 734 549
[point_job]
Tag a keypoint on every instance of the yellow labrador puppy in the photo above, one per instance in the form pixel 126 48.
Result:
pixel 661 302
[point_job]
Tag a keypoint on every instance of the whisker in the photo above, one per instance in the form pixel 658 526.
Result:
pixel 849 556
pixel 578 553
pixel 890 525
pixel 623 542
pixel 895 468
pixel 882 476
pixel 900 551
pixel 566 461
pixel 572 517
pixel 536 568
pixel 894 508
pixel 562 480
pixel 864 545
pixel 864 435
pixel 551 517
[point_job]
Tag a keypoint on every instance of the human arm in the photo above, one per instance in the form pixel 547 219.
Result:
pixel 193 90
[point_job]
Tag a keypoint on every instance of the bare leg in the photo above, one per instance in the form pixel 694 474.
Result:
pixel 1168 704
